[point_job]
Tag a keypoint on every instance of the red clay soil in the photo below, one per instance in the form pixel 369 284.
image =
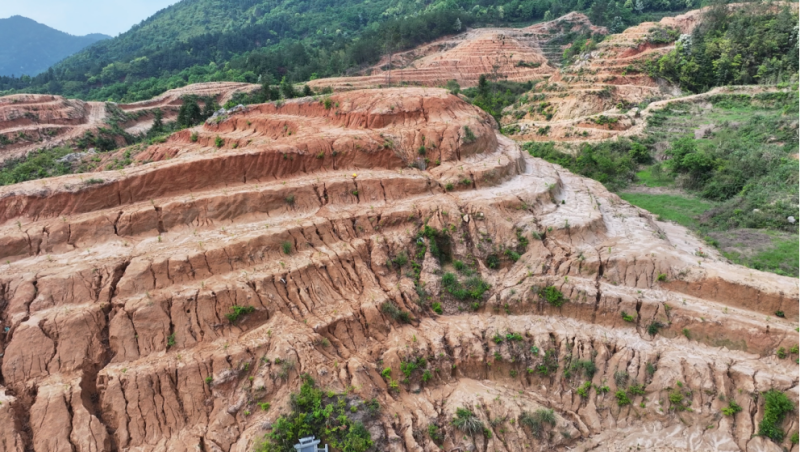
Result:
pixel 116 291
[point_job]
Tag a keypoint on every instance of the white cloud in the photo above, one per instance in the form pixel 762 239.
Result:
pixel 80 17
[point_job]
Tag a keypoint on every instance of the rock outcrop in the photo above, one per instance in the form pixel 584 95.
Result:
pixel 152 310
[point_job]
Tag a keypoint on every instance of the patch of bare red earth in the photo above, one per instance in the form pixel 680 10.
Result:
pixel 33 121
pixel 513 54
pixel 114 295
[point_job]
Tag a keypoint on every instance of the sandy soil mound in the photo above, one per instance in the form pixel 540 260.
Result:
pixel 34 121
pixel 119 295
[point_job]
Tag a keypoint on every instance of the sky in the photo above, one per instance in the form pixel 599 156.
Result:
pixel 81 17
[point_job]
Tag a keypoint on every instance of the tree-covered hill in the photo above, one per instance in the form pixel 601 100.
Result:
pixel 29 47
pixel 245 40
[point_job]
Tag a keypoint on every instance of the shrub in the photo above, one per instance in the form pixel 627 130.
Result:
pixel 622 398
pixel 264 406
pixel 628 318
pixel 289 200
pixel 473 287
pixel 552 295
pixel 583 390
pixel 426 376
pixel 731 409
pixel 286 247
pixel 776 406
pixel 237 311
pixel 492 261
pixel 433 433
pixel 459 265
pixel 662 277
pixel 653 328
pixel 781 353
pixel 467 422
pixel 513 255
pixel 171 340
pixel 538 420
pixel 193 137
pixel 93 181
pixel 401 259
pixel 218 142
pixel 676 400
pixel 312 413
pixel 780 314
pixel 469 137
pixel 394 312
pixel 437 308
pixel 386 373
pixel 637 389
pixel 449 186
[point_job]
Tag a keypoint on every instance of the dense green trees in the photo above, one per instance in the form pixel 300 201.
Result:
pixel 216 40
pixel 755 44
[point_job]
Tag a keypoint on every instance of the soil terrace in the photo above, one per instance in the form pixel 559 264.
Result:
pixel 34 121
pixel 504 53
pixel 114 295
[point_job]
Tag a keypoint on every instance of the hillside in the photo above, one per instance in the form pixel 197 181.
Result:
pixel 487 298
pixel 30 48
pixel 224 40
pixel 550 257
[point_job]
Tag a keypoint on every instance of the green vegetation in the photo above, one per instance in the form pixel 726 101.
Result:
pixel 259 41
pixel 39 164
pixel 732 408
pixel 238 311
pixel 538 421
pixel 622 397
pixel 776 406
pixel 472 288
pixel 680 209
pixel 286 247
pixel 552 295
pixel 613 163
pixel 391 309
pixel 313 412
pixel 739 179
pixel 754 44
pixel 494 96
pixel 467 422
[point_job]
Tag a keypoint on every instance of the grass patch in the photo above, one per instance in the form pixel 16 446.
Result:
pixel 680 209
pixel 780 257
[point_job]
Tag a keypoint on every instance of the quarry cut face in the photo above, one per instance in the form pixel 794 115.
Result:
pixel 161 307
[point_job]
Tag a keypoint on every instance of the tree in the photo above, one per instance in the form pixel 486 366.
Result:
pixel 287 89
pixel 639 6
pixel 548 16
pixel 457 26
pixel 189 113
pixel 158 124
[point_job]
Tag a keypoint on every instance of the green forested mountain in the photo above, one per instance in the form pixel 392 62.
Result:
pixel 29 47
pixel 245 40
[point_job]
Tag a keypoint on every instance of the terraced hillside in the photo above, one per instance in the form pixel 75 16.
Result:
pixel 513 54
pixel 34 121
pixel 440 286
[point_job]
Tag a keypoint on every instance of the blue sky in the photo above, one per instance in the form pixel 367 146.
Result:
pixel 81 17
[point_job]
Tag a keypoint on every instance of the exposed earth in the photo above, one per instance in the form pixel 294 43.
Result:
pixel 155 307
pixel 32 121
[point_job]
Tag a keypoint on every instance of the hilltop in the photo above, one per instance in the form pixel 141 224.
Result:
pixel 30 48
